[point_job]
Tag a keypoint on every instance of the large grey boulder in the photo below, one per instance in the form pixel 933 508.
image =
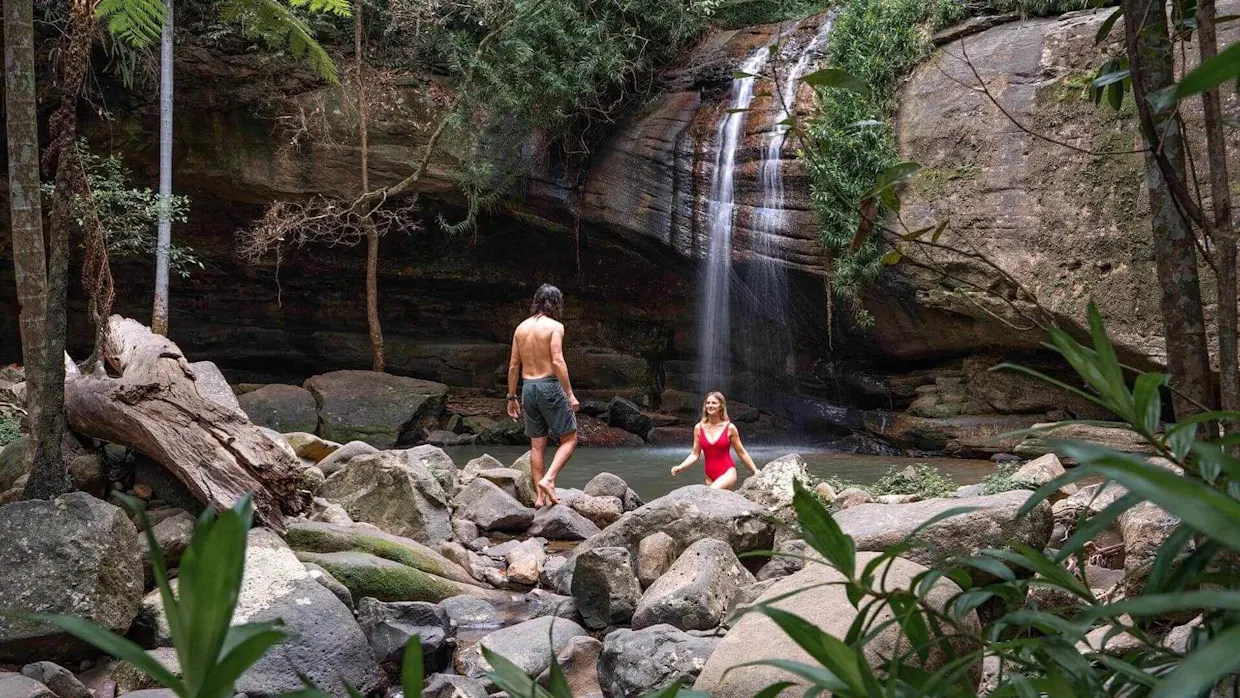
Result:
pixel 578 659
pixel 698 590
pixel 606 485
pixel 13 685
pixel 625 415
pixel 173 536
pixel 493 509
pixel 1042 470
pixel 393 492
pixel 62 681
pixel 370 575
pixel 559 522
pixel 390 626
pixel 285 408
pixel 212 385
pixel 1144 528
pixel 453 686
pixel 772 486
pixel 688 515
pixel 601 511
pixel 74 555
pixel 529 645
pixel 655 554
pixel 512 481
pixel 338 458
pixel 789 558
pixel 638 662
pixel 472 612
pixel 13 461
pixel 381 409
pixel 439 463
pixel 822 601
pixel 605 587
pixel 477 465
pixel 320 537
pixel 324 641
pixel 993 524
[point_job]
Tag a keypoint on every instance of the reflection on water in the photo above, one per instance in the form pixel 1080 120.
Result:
pixel 646 469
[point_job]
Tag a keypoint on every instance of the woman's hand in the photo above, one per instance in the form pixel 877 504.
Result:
pixel 678 469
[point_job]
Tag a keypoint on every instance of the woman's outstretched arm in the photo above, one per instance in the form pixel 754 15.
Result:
pixel 693 455
pixel 734 435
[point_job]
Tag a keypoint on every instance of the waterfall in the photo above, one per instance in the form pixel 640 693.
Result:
pixel 714 354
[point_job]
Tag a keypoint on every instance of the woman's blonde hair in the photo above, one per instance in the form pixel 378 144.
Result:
pixel 723 405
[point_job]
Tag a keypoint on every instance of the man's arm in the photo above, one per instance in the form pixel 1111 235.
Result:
pixel 514 371
pixel 560 366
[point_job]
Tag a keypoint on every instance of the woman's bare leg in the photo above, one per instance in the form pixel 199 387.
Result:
pixel 724 481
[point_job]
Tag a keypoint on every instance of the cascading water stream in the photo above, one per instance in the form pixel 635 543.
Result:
pixel 714 354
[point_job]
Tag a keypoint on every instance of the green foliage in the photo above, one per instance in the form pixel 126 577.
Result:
pixel 128 214
pixel 925 481
pixel 738 15
pixel 136 22
pixel 1004 480
pixel 1192 573
pixel 10 429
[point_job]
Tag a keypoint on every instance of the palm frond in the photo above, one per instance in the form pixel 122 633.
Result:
pixel 135 22
pixel 280 29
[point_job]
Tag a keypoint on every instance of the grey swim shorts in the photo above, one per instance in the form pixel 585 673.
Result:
pixel 546 408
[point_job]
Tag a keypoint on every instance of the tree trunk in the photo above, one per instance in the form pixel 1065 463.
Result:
pixel 1225 242
pixel 372 235
pixel 1152 62
pixel 155 408
pixel 44 382
pixel 163 244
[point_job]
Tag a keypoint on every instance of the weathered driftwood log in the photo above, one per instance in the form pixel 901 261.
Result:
pixel 155 408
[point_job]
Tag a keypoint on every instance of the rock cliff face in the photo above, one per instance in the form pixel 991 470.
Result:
pixel 1066 224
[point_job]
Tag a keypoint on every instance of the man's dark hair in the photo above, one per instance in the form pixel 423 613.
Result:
pixel 548 301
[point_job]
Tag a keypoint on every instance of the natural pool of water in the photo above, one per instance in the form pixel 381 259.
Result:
pixel 646 469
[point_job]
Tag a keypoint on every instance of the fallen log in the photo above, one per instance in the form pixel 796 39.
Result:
pixel 153 404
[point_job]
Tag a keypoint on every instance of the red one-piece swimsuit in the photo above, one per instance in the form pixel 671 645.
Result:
pixel 718 452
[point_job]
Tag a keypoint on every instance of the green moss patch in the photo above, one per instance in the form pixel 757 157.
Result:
pixel 313 537
pixel 367 575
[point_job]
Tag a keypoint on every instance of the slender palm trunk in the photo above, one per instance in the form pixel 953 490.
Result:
pixel 372 235
pixel 1225 242
pixel 163 245
pixel 1152 61
pixel 44 382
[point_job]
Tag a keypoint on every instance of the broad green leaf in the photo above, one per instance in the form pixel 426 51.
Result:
pixel 510 678
pixel 1105 30
pixel 817 675
pixel 1110 78
pixel 557 683
pixel 1095 525
pixel 970 601
pixel 774 690
pixel 834 77
pixel 109 642
pixel 411 669
pixel 1210 74
pixel 1147 395
pixel 1160 604
pixel 1165 560
pixel 891 177
pixel 822 533
pixel 988 565
pixel 1204 667
pixel 1035 561
pixel 892 257
pixel 256 640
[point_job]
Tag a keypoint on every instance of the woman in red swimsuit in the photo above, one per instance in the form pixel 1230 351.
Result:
pixel 715 436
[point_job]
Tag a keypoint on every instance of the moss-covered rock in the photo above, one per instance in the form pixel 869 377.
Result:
pixel 316 537
pixel 368 575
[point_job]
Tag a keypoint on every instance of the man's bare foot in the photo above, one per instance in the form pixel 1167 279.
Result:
pixel 548 489
pixel 539 503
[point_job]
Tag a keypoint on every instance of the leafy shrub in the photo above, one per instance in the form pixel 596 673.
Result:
pixel 1004 480
pixel 926 481
pixel 10 429
pixel 1041 654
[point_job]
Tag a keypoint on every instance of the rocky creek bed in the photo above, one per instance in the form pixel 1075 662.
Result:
pixel 630 596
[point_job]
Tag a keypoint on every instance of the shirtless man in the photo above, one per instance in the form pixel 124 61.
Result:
pixel 547 395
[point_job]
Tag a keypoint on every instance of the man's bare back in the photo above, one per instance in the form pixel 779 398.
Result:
pixel 532 343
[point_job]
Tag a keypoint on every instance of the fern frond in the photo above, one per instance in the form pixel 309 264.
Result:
pixel 340 8
pixel 135 22
pixel 280 29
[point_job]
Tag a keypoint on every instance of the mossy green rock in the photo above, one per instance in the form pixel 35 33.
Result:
pixel 316 537
pixel 367 575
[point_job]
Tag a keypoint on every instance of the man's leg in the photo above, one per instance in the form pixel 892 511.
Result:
pixel 538 466
pixel 568 443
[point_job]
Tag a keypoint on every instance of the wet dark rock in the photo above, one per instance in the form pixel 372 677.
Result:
pixel 390 626
pixel 605 587
pixel 637 662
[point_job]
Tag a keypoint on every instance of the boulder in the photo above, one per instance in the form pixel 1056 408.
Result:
pixel 697 591
pixel 993 524
pixel 640 662
pixel 330 583
pixel 601 511
pixel 1042 470
pixel 493 509
pixel 315 537
pixel 310 447
pixel 453 686
pixel 655 554
pixel 464 530
pixel 1089 501
pixel 632 500
pixel 62 681
pixel 851 497
pixel 338 458
pixel 285 408
pixel 1143 529
pixel 544 603
pixel 471 612
pixel 379 408
pixel 1043 441
pixel 606 485
pixel 772 486
pixel 512 481
pixel 625 415
pixel 73 555
pixel 822 601
pixel 18 686
pixel 525 562
pixel 444 437
pixel 13 462
pixel 390 626
pixel 173 536
pixel 604 586
pixel 556 574
pixel 475 466
pixel 558 522
pixel 389 490
pixel 323 511
pixel 789 559
pixel 529 645
pixel 130 679
pixel 324 641
pixel 369 575
pixel 825 493
pixel 688 515
pixel 439 463
pixel 212 385
pixel 578 659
